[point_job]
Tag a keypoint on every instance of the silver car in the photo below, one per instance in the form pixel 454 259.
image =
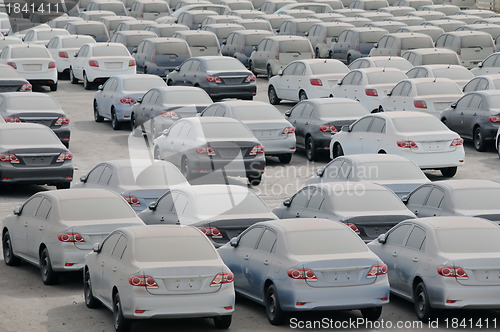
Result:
pixel 54 230
pixel 304 265
pixel 443 263
pixel 159 272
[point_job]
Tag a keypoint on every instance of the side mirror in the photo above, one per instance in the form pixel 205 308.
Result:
pixel 152 206
pixel 389 93
pixel 404 199
pixel 287 202
pixel 17 211
pixel 336 39
pixel 320 172
pixel 454 105
pixel 134 50
pixel 96 248
pixel 75 55
pixel 165 132
pixel 375 45
pixel 288 113
pixel 199 26
pixel 280 73
pixel 177 68
pixel 234 242
pixel 100 87
pixel 306 33
pixel 381 238
pixel 139 100
pixel 480 65
pixel 83 178
pixel 339 83
pixel 346 129
pixel 224 42
pixel 256 48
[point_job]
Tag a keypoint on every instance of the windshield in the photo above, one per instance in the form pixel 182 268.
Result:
pixel 385 77
pixel 367 200
pixel 469 240
pixel 295 46
pixel 477 199
pixel 440 59
pixel 230 204
pixel 30 52
pixel 476 41
pixel 28 137
pixel 258 112
pixel 325 67
pixel 134 40
pixel 324 242
pixel 142 83
pixel 438 88
pixel 419 124
pixel 416 42
pixel 371 36
pixel 110 50
pixel 173 249
pixel 95 30
pixel 454 73
pixel 342 110
pixel 177 48
pixel 100 208
pixel 225 64
pixel 202 40
pixel 381 171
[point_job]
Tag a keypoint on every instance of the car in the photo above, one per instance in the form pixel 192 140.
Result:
pixel 409 20
pixel 447 9
pixel 419 137
pixel 149 9
pixel 201 43
pixel 322 35
pixel 484 13
pixel 431 56
pixel 95 15
pixel 131 38
pixel 316 7
pixel 297 26
pixel 134 25
pixel 219 19
pixel 275 19
pixel 8 40
pixel 35 107
pixel 237 4
pixel 42 36
pixel 197 282
pixel 299 277
pixel 10 80
pixel 222 30
pixel 397 10
pixel 18 28
pixel 60 21
pixel 220 211
pixel 490 65
pixel 160 56
pixel 475 116
pixel 395 44
pixel 96 62
pixel 369 4
pixel 394 172
pixel 492 29
pixel 114 100
pixel 381 61
pixel 33 62
pixel 485 82
pixel 112 22
pixel 445 24
pixel 245 13
pixel 115 6
pixel 442 263
pixel 139 181
pixel 358 22
pixel 63 48
pixel 367 208
pixel 276 134
pixel 432 31
pixel 355 43
pixel 389 26
pixel 96 30
pixel 369 85
pixel 254 24
pixel 375 16
pixel 240 44
pixel 270 6
pixel 428 95
pixel 457 73
pixel 161 107
pixel 220 77
pixel 219 9
pixel 193 18
pixel 166 29
pixel 222 146
pixel 413 3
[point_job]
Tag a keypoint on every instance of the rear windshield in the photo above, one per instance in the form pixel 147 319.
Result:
pixel 497 84
pixel 95 209
pixel 418 124
pixel 347 110
pixel 468 240
pixel 173 249
pixel 324 242
pixel 76 42
pixel 188 98
pixel 141 83
pixel 438 88
pixel 453 73
pixel 477 199
pixel 30 52
pixel 295 46
pixel 157 7
pixel 110 50
pixel 29 137
pixel 172 48
pixel 224 129
pixel 414 42
pixel 202 40
pixel 366 200
pixel 46 35
pixel 37 103
pixel 224 64
pixel 91 30
pixel 259 112
pixel 385 77
pixel 476 41
pixel 383 170
pixel 156 175
pixel 229 203
pixel 328 68
pixel 440 59
pixel 135 40
pixel 371 36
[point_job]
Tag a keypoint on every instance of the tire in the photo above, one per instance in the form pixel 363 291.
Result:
pixel 222 322
pixel 254 180
pixel 146 70
pixel 170 83
pixel 156 154
pixel 90 301
pixel 63 185
pixel 311 152
pixel 185 170
pixel 274 314
pixel 269 72
pixel 273 96
pixel 252 68
pixel 8 252
pixel 337 150
pixel 421 301
pixel 316 54
pixel 371 314
pixel 449 172
pixel 115 124
pixel 72 77
pixel 443 120
pixel 97 117
pixel 302 95
pixel 479 141
pixel 349 59
pixel 86 84
pixel 285 158
pixel 498 148
pixel 330 54
pixel 53 87
pixel 136 132
pixel 49 277
pixel 120 323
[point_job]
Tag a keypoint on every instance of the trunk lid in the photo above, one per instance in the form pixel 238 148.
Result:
pixel 483 269
pixel 371 225
pixel 231 227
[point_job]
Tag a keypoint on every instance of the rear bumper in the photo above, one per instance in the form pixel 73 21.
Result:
pixel 436 160
pixel 465 297
pixel 231 167
pixel 43 78
pixel 123 112
pixel 101 76
pixel 36 175
pixel 231 91
pixel 279 146
pixel 64 134
pixel 68 254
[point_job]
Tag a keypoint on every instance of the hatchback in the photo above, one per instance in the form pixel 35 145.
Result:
pixel 355 43
pixel 160 56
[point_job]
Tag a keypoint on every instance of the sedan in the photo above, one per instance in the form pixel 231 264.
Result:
pixel 417 136
pixel 490 65
pixel 457 73
pixel 220 77
pixel 11 81
pixel 337 272
pixel 32 153
pixel 63 48
pixel 480 83
pixel 304 79
pixel 443 263
pixel 158 272
pixel 139 181
pixel 381 61
pixel 54 230
pixel 391 171
pixel 42 36
pixel 96 62
pixel 220 211
pixel 276 134
pixel 205 145
pixel 114 100
pixel 368 208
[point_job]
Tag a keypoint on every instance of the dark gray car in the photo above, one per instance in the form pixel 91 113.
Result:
pixel 240 44
pixel 475 116
pixel 355 43
pixel 160 56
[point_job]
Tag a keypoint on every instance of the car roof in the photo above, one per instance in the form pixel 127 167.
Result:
pixel 286 37
pixel 467 184
pixel 29 45
pixel 135 32
pixel 441 66
pixel 22 125
pixel 374 157
pixel 487 93
pixel 430 50
pixel 253 31
pixel 304 224
pixel 377 70
pixel 454 222
pixel 15 95
pixel 171 88
pixel 236 102
pixel 332 101
pixel 348 186
pixel 161 231
pixel 79 193
pixel 467 33
pixel 431 80
pixel 403 114
pixel 384 57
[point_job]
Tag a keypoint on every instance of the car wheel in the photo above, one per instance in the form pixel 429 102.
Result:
pixel 273 97
pixel 222 322
pixel 316 54
pixel 302 95
pixel 337 150
pixel 449 172
pixel 269 72
pixel 97 117
pixel 443 120
pixel 86 84
pixel 371 314
pixel 136 132
pixel 349 59
pixel 255 180
pixel 311 153
pixel 115 124
pixel 72 77
pixel 185 170
pixel 8 252
pixel 170 83
pixel 120 323
pixel 146 70
pixel 157 154
pixel 63 185
pixel 90 301
pixel 498 148
pixel 479 141
pixel 53 87
pixel 49 277
pixel 274 314
pixel 330 54
pixel 421 301
pixel 252 68
pixel 285 158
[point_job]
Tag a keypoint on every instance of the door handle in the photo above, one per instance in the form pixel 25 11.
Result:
pixel 475 114
pixel 246 257
pixel 162 218
pixel 25 224
pixel 395 254
pixel 297 215
pixel 114 269
pixel 40 228
pixel 266 262
pixel 102 263
pixel 415 259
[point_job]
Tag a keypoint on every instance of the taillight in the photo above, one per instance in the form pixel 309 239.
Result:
pixel 205 150
pixel 250 78
pixel 257 149
pixel 407 145
pixel 62 120
pixel 132 200
pixel 452 271
pixel 212 232
pixel 302 274
pixel 316 82
pixel 63 55
pixel 328 129
pixel 357 44
pixel 170 114
pixel 12 64
pixel 222 278
pixel 153 56
pixel 242 48
pixel 143 281
pixel 71 238
pixel 494 118
pixel 131 63
pixel 354 228
pixel 26 87
pixel 371 92
pixel 93 63
pixel 277 56
pixel 12 158
pixel 64 156
pixel 457 142
pixel 325 40
pixel 377 270
pixel 52 65
pixel 12 119
pixel 420 104
pixel 288 130
pixel 127 100
pixel 215 79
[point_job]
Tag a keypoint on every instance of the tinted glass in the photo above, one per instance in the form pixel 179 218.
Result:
pixel 202 40
pixel 362 125
pixel 473 41
pixel 95 209
pixel 230 130
pixel 142 84
pixel 267 241
pixel 30 208
pixel 321 68
pixel 477 199
pixel 325 242
pixel 260 112
pixel 120 247
pixel 397 236
pixel 38 103
pixel 389 170
pixel 29 137
pixel 301 198
pixel 453 73
pixel 179 49
pixel 294 46
pixel 230 204
pixel 31 52
pixel 187 98
pixel 416 238
pixel 468 240
pixel 109 244
pixel 340 110
pixel 371 36
pixel 418 124
pixel 152 176
pixel 249 239
pixel 387 77
pixel 174 249
pixel 76 42
pixel 254 40
pixel 47 35
pixel 224 64
pixel 44 209
pixel 435 198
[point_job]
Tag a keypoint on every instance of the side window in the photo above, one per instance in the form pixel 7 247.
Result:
pixel 290 69
pixel 108 85
pixel 482 84
pixel 362 125
pixel 120 247
pixel 30 207
pixel 262 45
pixel 435 198
pixel 332 170
pixel 95 174
pixel 301 199
pixel 140 48
pixel 440 41
pixel 345 170
pixel 106 175
pixel 343 37
pixel 180 203
pixel 44 209
pixel 411 57
pixel 185 66
pixel 464 102
pixel 398 235
pixel 416 239
pixel 357 78
pixel 398 88
pixel 308 110
pixel 316 200
pixel 210 111
pixel 449 42
pixel 378 126
pixel 490 61
pixel 195 66
pixel 250 238
pixel 475 104
pixel 166 203
pixel 419 196
pixel 110 243
pixel 382 42
pixel 147 98
pixel 390 41
pixel 472 85
pixel 297 111
pixel 300 69
pixel 52 43
pixel 269 46
pixel 267 241
pixel 348 78
pixel 406 89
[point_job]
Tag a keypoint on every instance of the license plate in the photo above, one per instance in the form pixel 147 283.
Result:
pixel 32 67
pixel 113 65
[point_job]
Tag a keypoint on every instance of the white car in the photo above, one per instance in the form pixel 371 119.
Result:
pixel 63 49
pixel 304 79
pixel 429 95
pixel 457 73
pixel 368 86
pixel 33 62
pixel 490 65
pixel 419 137
pixel 381 61
pixel 159 271
pixel 42 36
pixel 480 83
pixel 96 62
pixel 7 40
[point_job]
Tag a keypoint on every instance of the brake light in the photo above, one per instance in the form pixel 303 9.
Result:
pixel 452 271
pixel 71 238
pixel 328 129
pixel 212 232
pixel 52 65
pixel 377 270
pixel 242 48
pixel 170 114
pixel 127 100
pixel 250 78
pixel 63 55
pixel 12 64
pixel 316 82
pixel 153 56
pixel 131 63
pixel 457 142
pixel 354 228
pixel 62 120
pixel 26 87
pixel 257 149
pixel 277 56
pixel 222 278
pixel 304 274
pixel 215 79
pixel 132 200
pixel 64 156
pixel 494 118
pixel 12 119
pixel 143 281
pixel 12 158
pixel 205 150
pixel 371 92
pixel 407 144
pixel 93 63
pixel 357 44
pixel 420 104
pixel 288 130
pixel 325 40
pixel 459 49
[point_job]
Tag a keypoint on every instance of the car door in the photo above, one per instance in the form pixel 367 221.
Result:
pixel 258 57
pixel 103 261
pixel 182 75
pixel 94 176
pixel 416 200
pixel 283 89
pixel 163 211
pixel 107 93
pixel 142 111
pixel 298 203
pixel 396 101
pixel 297 121
pixel 19 228
pixel 306 119
pixel 297 81
pixel 473 114
pixel 455 118
pixel 195 73
pixel 314 206
pixel 375 138
pixel 78 62
pixel 353 141
pixel 409 259
pixel 38 229
pixel 342 90
pixel 113 267
pixel 433 205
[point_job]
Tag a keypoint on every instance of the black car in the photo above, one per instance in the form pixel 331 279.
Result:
pixel 11 81
pixel 220 77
